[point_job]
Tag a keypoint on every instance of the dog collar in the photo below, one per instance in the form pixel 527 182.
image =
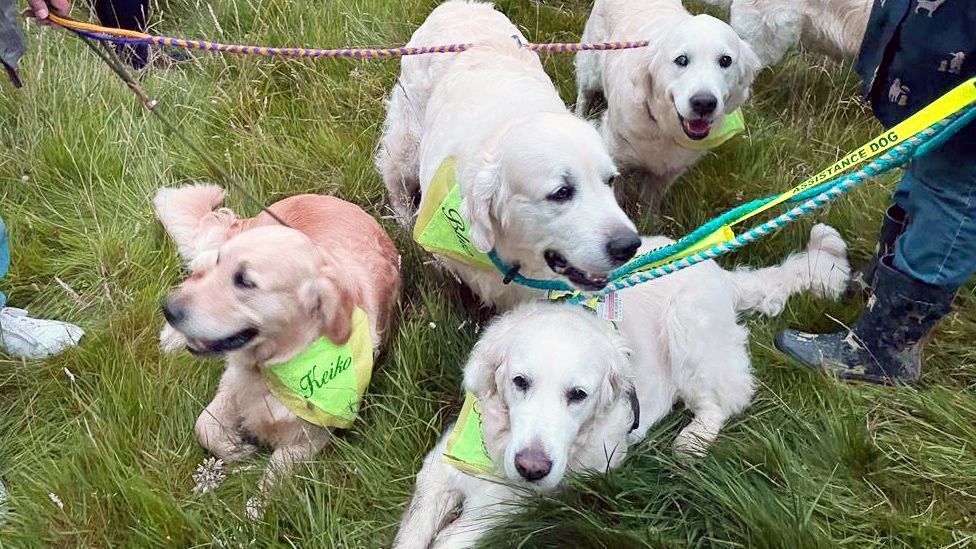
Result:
pixel 731 125
pixel 465 449
pixel 440 228
pixel 324 383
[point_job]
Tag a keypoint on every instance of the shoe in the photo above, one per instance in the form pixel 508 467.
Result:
pixel 862 279
pixel 33 338
pixel 884 344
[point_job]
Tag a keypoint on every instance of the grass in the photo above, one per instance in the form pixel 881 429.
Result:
pixel 812 463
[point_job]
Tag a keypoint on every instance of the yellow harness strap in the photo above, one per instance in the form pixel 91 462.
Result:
pixel 439 228
pixel 325 383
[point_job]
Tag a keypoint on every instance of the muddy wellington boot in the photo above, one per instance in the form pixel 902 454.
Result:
pixel 862 279
pixel 883 345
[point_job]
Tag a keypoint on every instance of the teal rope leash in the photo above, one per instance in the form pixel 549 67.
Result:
pixel 810 199
pixel 915 147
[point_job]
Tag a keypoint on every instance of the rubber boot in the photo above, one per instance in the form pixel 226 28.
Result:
pixel 883 345
pixel 862 279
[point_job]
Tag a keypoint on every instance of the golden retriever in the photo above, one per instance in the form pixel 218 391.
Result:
pixel 260 293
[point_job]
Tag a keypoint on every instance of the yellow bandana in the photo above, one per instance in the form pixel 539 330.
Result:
pixel 731 125
pixel 466 445
pixel 324 383
pixel 440 229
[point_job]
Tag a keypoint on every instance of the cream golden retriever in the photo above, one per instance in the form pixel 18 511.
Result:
pixel 259 293
pixel 555 383
pixel 694 72
pixel 534 179
pixel 772 27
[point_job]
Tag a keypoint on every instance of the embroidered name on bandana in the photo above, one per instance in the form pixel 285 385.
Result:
pixel 731 124
pixel 440 229
pixel 324 383
pixel 465 445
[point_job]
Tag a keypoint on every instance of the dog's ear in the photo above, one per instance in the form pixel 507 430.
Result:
pixel 486 366
pixel 618 378
pixel 478 196
pixel 746 68
pixel 328 300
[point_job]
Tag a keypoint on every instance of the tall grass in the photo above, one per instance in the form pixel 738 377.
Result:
pixel 812 463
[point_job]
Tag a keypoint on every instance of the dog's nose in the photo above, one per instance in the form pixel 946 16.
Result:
pixel 533 464
pixel 173 311
pixel 623 246
pixel 703 104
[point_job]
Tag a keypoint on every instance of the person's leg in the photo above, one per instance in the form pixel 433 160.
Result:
pixel 939 246
pixel 915 285
pixel 126 14
pixel 4 258
pixel 27 337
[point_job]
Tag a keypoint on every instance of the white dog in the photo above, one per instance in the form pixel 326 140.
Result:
pixel 831 27
pixel 553 382
pixel 533 177
pixel 695 71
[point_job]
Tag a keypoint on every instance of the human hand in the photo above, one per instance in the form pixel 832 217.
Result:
pixel 40 7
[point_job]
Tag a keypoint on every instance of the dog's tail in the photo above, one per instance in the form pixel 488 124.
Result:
pixel 187 213
pixel 822 270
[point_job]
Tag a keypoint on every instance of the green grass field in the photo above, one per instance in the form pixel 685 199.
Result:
pixel 812 463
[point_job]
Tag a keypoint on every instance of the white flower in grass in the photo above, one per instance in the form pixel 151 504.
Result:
pixel 56 500
pixel 254 508
pixel 70 376
pixel 208 476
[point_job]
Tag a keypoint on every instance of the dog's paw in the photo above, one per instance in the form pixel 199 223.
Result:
pixel 689 447
pixel 827 257
pixel 171 341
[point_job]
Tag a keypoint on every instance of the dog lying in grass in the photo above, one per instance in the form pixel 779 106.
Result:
pixel 534 179
pixel 259 294
pixel 663 99
pixel 772 27
pixel 561 391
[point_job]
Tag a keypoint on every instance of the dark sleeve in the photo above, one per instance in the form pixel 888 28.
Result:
pixel 11 42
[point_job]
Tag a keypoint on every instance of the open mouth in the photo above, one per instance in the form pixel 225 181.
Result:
pixel 204 347
pixel 695 129
pixel 582 279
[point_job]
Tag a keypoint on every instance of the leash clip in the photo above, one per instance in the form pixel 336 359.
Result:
pixel 511 274
pixel 518 41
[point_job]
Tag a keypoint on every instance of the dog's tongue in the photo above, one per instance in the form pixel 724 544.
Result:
pixel 697 126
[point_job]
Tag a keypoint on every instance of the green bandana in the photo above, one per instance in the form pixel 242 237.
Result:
pixel 324 383
pixel 731 125
pixel 440 229
pixel 466 445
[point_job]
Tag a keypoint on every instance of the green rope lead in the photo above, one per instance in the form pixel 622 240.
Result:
pixel 810 199
pixel 914 147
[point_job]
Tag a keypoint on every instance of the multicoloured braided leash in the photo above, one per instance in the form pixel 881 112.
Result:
pixel 124 36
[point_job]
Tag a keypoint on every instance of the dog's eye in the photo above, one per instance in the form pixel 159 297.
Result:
pixel 562 194
pixel 576 395
pixel 725 61
pixel 241 281
pixel 681 60
pixel 521 383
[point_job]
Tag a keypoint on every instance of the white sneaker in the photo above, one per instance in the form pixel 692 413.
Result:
pixel 25 337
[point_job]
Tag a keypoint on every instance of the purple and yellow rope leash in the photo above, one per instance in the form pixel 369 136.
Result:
pixel 124 36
